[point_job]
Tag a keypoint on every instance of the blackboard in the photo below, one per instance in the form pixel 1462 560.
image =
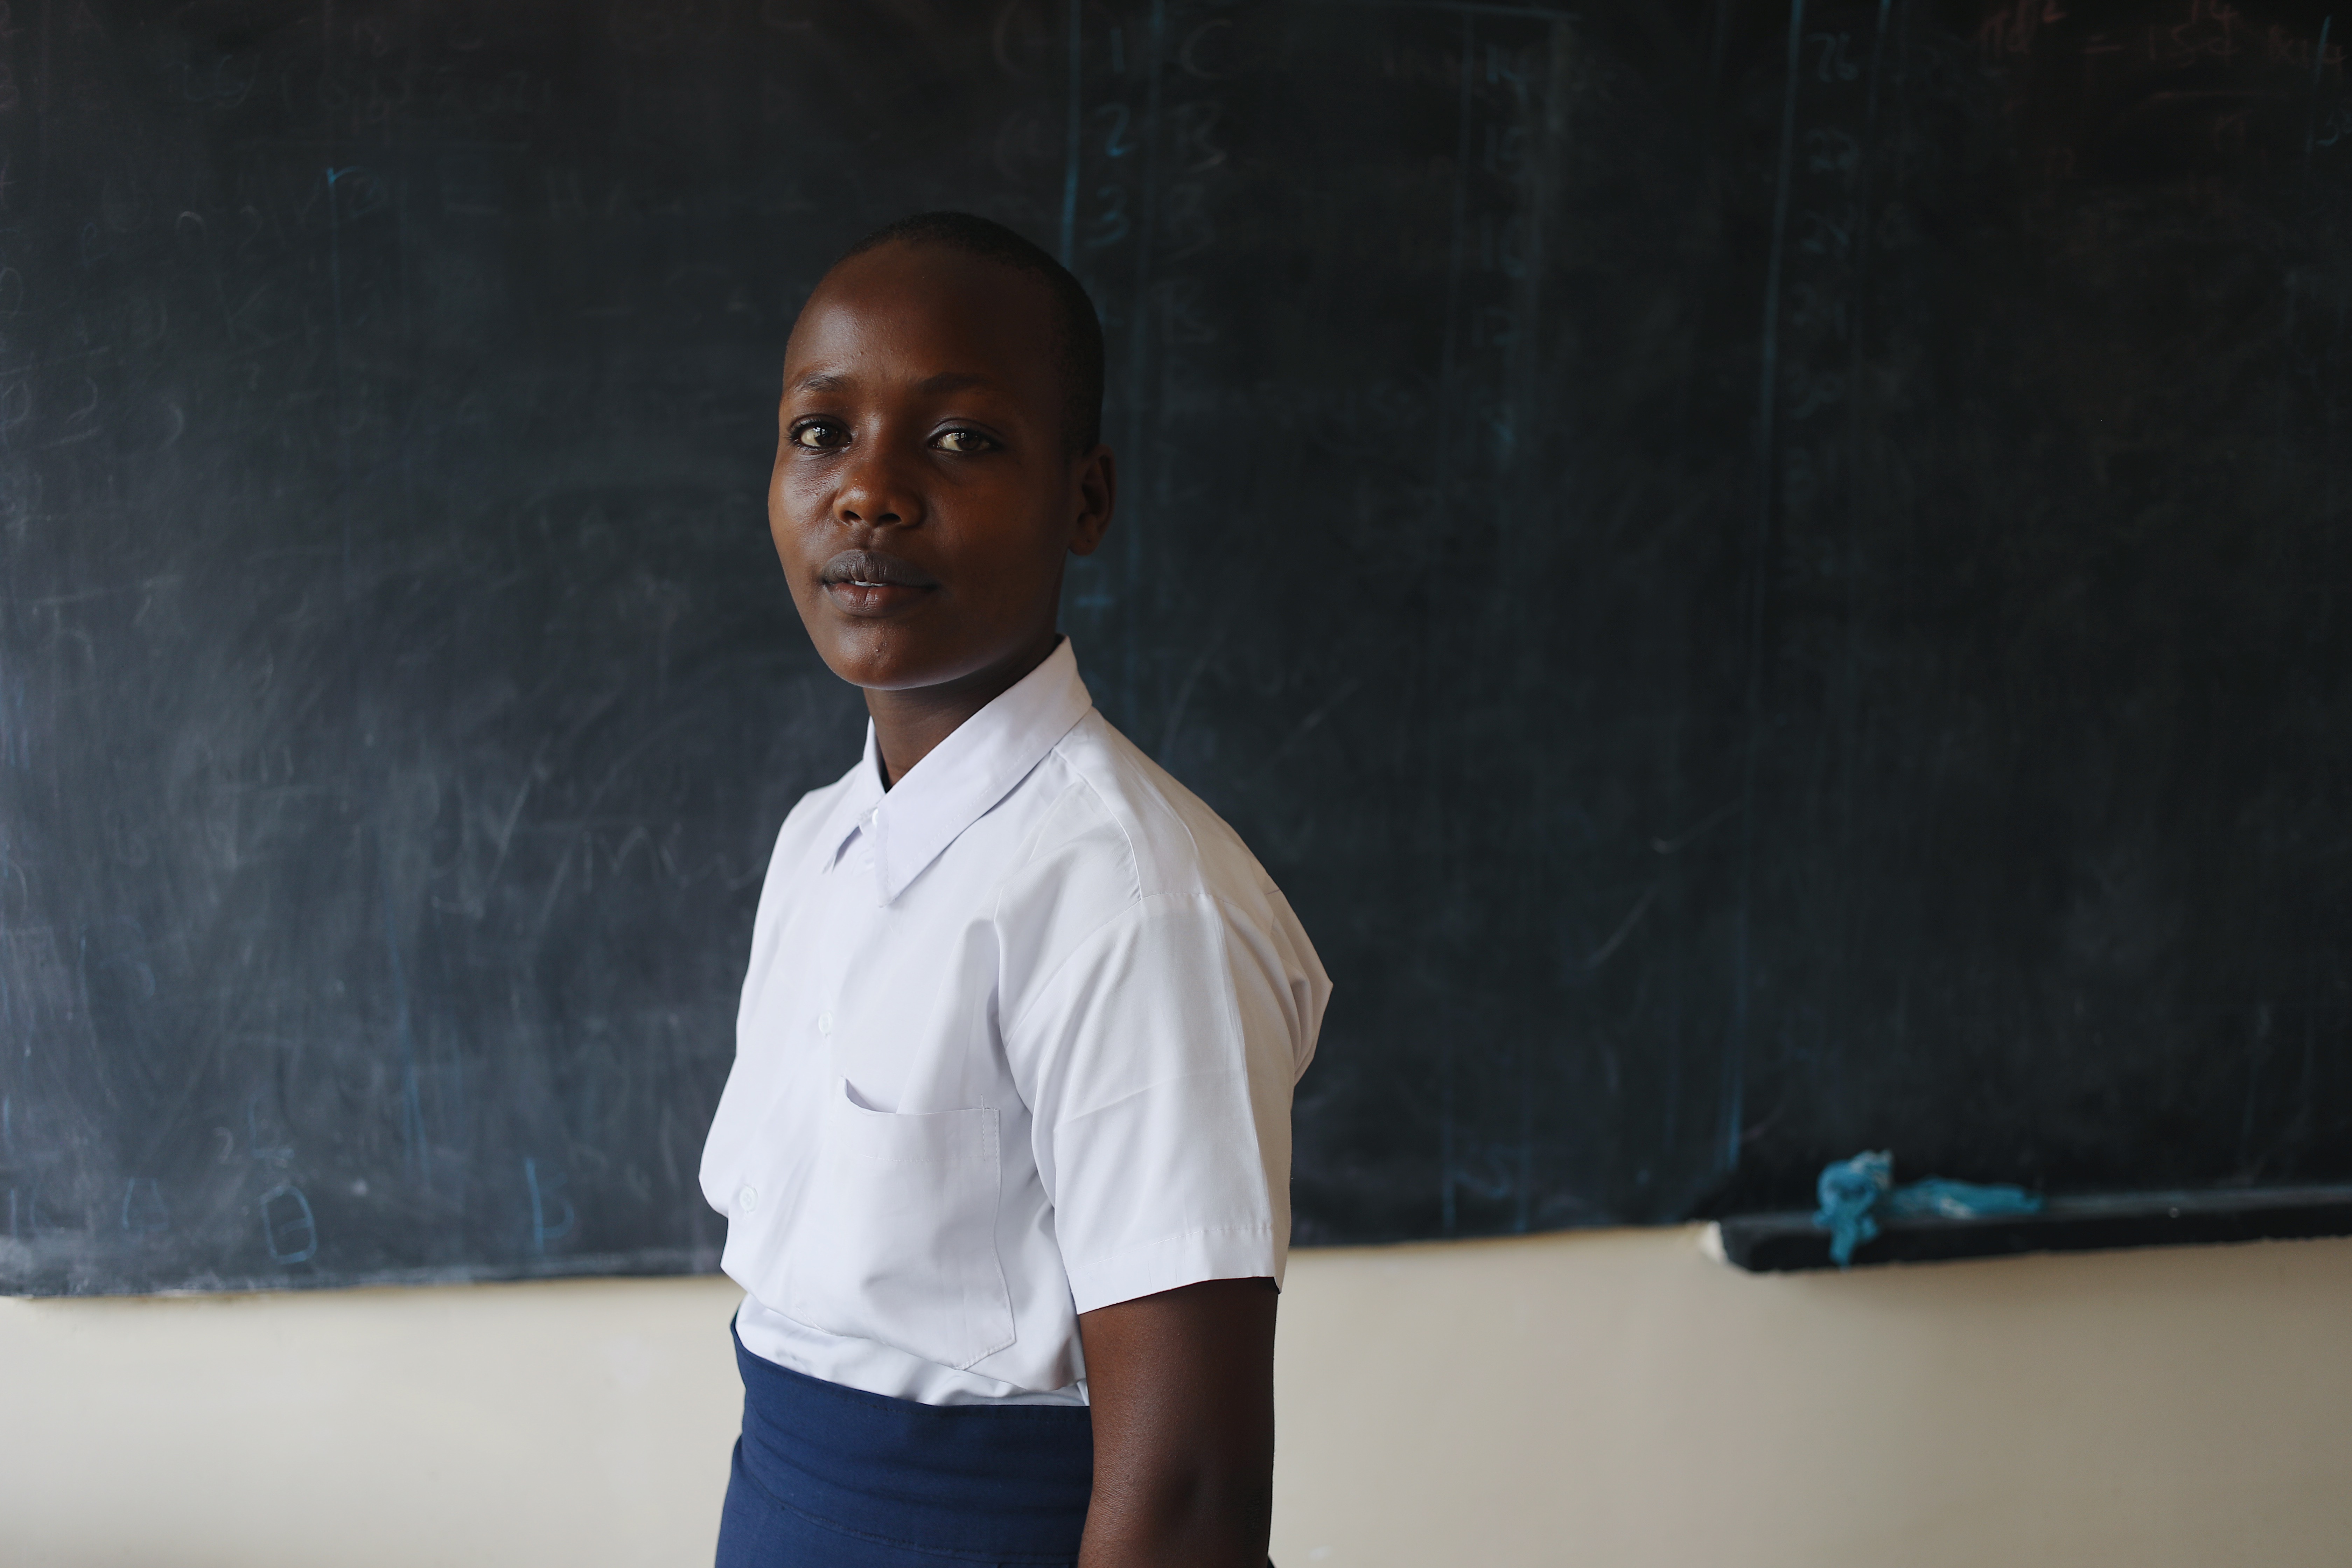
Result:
pixel 1770 579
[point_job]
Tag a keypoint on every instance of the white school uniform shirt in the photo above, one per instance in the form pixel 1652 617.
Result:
pixel 1017 1041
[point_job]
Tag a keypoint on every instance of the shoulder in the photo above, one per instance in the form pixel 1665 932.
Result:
pixel 1117 806
pixel 796 839
pixel 1142 942
pixel 810 812
pixel 1113 831
pixel 795 843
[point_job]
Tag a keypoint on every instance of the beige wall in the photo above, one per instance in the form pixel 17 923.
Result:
pixel 1605 1399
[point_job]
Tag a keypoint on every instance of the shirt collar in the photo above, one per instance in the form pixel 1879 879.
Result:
pixel 961 779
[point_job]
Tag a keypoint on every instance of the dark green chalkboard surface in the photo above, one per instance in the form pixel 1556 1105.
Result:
pixel 1770 578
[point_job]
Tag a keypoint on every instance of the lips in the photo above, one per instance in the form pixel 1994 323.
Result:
pixel 869 582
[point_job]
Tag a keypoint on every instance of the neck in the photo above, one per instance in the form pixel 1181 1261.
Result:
pixel 908 724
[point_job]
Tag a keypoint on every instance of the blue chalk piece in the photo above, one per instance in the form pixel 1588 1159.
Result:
pixel 1848 1190
pixel 1853 1191
pixel 1947 1199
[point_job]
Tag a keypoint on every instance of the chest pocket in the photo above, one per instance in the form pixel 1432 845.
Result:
pixel 895 1239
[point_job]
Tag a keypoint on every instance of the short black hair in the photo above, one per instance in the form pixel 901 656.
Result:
pixel 1080 331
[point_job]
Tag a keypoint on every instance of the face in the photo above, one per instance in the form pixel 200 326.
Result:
pixel 925 496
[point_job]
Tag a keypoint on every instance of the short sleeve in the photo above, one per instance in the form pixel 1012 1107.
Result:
pixel 1158 1063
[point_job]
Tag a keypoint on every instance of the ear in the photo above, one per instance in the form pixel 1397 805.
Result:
pixel 1098 493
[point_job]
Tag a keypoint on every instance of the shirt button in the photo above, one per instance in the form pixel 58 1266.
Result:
pixel 748 1199
pixel 825 1023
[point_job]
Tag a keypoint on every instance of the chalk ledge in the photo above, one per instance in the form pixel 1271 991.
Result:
pixel 1790 1241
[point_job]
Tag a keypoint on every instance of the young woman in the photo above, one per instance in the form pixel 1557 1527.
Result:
pixel 1005 1151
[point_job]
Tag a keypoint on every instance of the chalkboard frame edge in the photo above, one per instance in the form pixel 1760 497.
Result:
pixel 664 1262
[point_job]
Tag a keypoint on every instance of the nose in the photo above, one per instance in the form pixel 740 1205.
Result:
pixel 876 489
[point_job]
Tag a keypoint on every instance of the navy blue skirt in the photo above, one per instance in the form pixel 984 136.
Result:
pixel 827 1476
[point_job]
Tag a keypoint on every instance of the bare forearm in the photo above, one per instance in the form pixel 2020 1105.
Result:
pixel 1209 1517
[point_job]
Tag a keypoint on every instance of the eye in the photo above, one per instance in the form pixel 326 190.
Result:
pixel 815 435
pixel 963 442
